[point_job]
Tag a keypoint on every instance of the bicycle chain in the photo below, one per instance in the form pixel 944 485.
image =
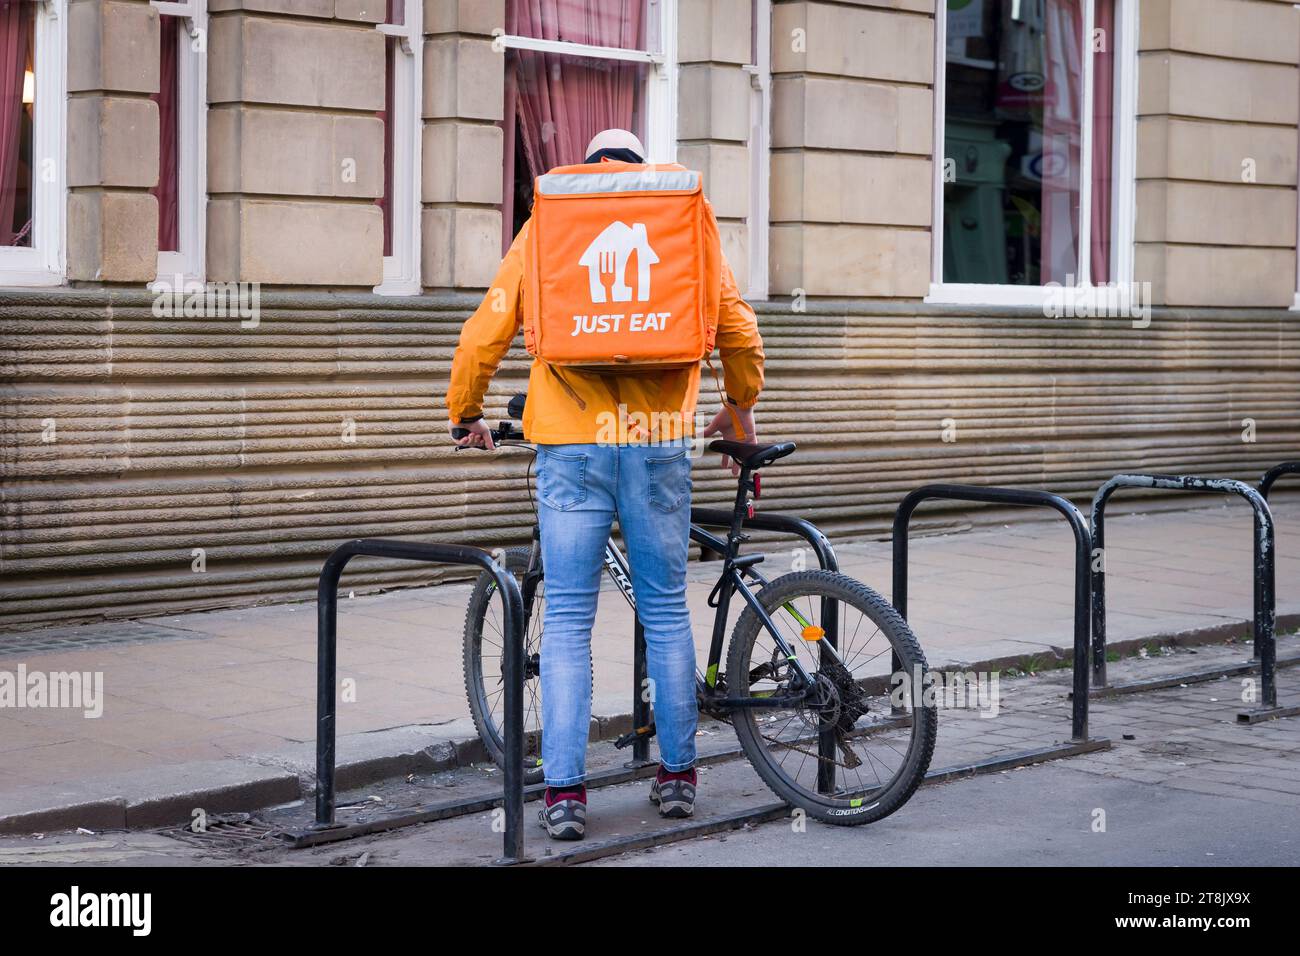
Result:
pixel 839 740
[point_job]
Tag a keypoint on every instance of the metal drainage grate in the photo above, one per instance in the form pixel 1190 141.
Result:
pixel 232 831
pixel 53 640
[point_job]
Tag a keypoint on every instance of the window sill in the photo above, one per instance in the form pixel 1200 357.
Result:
pixel 1118 299
pixel 30 278
pixel 963 293
pixel 398 287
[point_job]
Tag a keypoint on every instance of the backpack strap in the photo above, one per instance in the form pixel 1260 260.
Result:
pixel 731 410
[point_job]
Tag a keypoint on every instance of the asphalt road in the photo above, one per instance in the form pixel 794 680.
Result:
pixel 1039 816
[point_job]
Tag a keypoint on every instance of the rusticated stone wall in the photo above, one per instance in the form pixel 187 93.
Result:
pixel 135 449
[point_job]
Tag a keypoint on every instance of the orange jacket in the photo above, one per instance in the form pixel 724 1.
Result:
pixel 569 406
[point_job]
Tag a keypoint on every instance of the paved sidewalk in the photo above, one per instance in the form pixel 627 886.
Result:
pixel 195 704
pixel 1183 784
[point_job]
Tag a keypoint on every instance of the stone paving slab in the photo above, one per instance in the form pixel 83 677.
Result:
pixel 239 685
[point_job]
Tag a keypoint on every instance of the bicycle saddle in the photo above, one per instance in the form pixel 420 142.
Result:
pixel 750 455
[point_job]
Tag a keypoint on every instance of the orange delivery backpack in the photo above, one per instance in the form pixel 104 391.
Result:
pixel 621 268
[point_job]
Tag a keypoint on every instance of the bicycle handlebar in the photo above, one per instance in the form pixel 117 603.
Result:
pixel 505 431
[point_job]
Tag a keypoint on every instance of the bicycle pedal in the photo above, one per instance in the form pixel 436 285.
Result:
pixel 629 738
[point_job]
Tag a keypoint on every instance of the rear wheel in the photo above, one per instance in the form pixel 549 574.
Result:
pixel 840 752
pixel 483 648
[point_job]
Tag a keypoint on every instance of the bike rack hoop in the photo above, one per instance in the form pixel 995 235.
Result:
pixel 786 524
pixel 1273 474
pixel 512 670
pixel 1264 596
pixel 1020 497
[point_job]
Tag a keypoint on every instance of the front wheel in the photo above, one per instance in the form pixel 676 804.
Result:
pixel 844 749
pixel 483 648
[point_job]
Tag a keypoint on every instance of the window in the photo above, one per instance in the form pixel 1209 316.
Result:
pixel 1035 121
pixel 574 68
pixel 182 143
pixel 760 145
pixel 401 116
pixel 31 142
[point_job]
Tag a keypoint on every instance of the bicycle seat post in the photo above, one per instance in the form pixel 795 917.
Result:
pixel 744 508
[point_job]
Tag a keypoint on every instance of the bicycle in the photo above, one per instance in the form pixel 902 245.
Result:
pixel 809 691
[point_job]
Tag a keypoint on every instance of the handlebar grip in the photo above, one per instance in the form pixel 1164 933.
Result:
pixel 506 432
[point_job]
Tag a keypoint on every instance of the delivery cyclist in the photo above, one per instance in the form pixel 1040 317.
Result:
pixel 620 293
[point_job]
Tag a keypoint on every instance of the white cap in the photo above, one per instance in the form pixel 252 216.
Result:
pixel 615 139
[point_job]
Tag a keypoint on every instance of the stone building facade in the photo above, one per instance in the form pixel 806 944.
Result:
pixel 909 195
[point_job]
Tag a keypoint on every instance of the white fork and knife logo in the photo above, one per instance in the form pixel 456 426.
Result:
pixel 608 255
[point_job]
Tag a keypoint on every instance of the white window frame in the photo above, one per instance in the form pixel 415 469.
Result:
pixel 43 262
pixel 660 88
pixel 1295 303
pixel 190 261
pixel 760 151
pixel 402 268
pixel 1123 180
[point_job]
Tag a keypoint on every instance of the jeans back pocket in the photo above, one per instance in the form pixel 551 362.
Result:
pixel 562 479
pixel 669 480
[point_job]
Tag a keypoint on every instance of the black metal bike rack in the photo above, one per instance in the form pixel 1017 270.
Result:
pixel 512 667
pixel 783 524
pixel 1019 497
pixel 1265 486
pixel 1264 598
pixel 1273 474
pixel 327 831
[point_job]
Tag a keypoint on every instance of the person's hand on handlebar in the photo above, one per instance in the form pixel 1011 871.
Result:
pixel 480 434
pixel 724 425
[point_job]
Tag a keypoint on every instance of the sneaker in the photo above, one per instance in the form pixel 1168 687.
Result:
pixel 674 791
pixel 564 812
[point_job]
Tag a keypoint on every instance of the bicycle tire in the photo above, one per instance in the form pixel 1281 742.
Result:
pixel 485 722
pixel 828 808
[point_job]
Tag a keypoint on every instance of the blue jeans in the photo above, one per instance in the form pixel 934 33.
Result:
pixel 580 489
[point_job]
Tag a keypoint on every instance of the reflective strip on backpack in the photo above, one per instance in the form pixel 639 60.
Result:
pixel 661 180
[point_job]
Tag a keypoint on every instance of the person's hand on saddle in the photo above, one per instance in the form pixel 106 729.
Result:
pixel 724 426
pixel 480 435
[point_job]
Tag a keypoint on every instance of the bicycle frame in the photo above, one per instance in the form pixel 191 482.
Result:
pixel 731 580
pixel 784 682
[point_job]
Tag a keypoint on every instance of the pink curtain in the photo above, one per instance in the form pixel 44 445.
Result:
pixel 396 14
pixel 556 104
pixel 1062 140
pixel 168 189
pixel 15 174
pixel 385 201
pixel 1103 140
